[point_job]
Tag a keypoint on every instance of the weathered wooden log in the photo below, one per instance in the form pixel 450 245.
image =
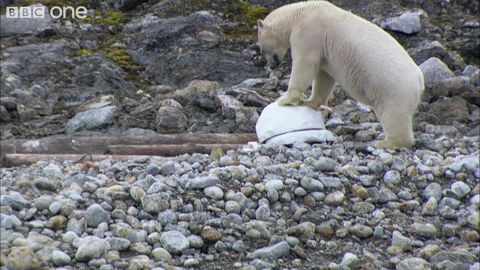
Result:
pixel 11 160
pixel 98 145
pixel 167 150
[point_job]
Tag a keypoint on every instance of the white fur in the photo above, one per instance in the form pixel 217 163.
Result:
pixel 331 45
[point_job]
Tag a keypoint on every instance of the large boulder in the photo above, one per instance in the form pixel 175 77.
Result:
pixel 291 124
pixel 25 26
pixel 175 51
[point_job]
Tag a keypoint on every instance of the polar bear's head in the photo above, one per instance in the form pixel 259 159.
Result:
pixel 271 45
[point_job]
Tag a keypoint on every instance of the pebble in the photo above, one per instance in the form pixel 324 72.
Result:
pixel 211 235
pixel 349 261
pixel 272 252
pixel 460 189
pixel 95 215
pixel 174 242
pixel 325 164
pixel 90 247
pixel 335 198
pixel 413 264
pixel 202 182
pixel 426 230
pixel 362 231
pixel 60 258
pixel 161 254
pixel 392 177
pixel 213 192
pixel 403 242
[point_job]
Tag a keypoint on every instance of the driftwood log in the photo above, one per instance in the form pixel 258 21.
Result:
pixel 157 144
pixel 11 160
pixel 167 150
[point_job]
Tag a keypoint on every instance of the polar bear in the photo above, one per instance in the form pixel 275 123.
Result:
pixel 330 45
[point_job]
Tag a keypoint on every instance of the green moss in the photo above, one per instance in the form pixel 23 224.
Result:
pixel 84 52
pixel 108 18
pixel 243 12
pixel 122 58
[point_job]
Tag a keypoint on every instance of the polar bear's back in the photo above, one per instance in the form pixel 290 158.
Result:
pixel 361 55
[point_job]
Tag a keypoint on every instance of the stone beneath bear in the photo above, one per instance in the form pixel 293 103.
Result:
pixel 291 124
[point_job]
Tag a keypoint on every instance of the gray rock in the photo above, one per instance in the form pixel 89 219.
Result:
pixel 426 230
pixel 25 26
pixel 460 189
pixel 453 256
pixel 91 119
pixel 407 23
pixel 45 184
pixel 156 48
pixel 213 192
pixel 155 203
pixel 117 243
pixel 434 70
pixel 160 254
pixel 311 184
pixel 90 247
pixel 274 184
pixel 349 261
pixel 325 164
pixel 413 264
pixel 331 182
pixel 60 258
pixel 232 207
pixel 433 190
pixel 202 182
pixel 392 177
pixel 156 187
pixel 95 215
pixel 272 252
pixel 171 120
pixel 174 242
pixel 98 74
pixel 229 105
pixel 15 200
pixel 427 49
pixel 9 221
pixel 263 213
pixel 291 124
pixel 167 217
pixel 450 86
pixel 401 241
pixel 386 195
pixel 153 169
pixel 167 168
pixel 335 198
pixel 362 231
pixel 448 110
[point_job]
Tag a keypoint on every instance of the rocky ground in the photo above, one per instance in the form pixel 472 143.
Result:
pixel 140 67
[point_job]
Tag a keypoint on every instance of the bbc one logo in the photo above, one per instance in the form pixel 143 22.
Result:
pixel 39 12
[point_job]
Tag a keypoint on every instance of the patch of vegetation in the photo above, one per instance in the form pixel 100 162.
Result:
pixel 247 15
pixel 108 18
pixel 73 3
pixel 243 12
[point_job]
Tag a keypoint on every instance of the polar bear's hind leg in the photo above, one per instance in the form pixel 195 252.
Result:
pixel 397 127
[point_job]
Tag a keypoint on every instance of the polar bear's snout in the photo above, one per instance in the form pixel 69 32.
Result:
pixel 273 61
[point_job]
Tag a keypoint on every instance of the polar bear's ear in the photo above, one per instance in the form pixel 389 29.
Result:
pixel 260 24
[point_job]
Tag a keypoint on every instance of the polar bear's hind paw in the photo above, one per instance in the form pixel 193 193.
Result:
pixel 391 144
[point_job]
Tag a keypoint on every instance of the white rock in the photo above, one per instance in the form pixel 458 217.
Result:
pixel 291 124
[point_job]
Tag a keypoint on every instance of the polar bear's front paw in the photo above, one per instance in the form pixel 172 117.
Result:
pixel 288 100
pixel 315 105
